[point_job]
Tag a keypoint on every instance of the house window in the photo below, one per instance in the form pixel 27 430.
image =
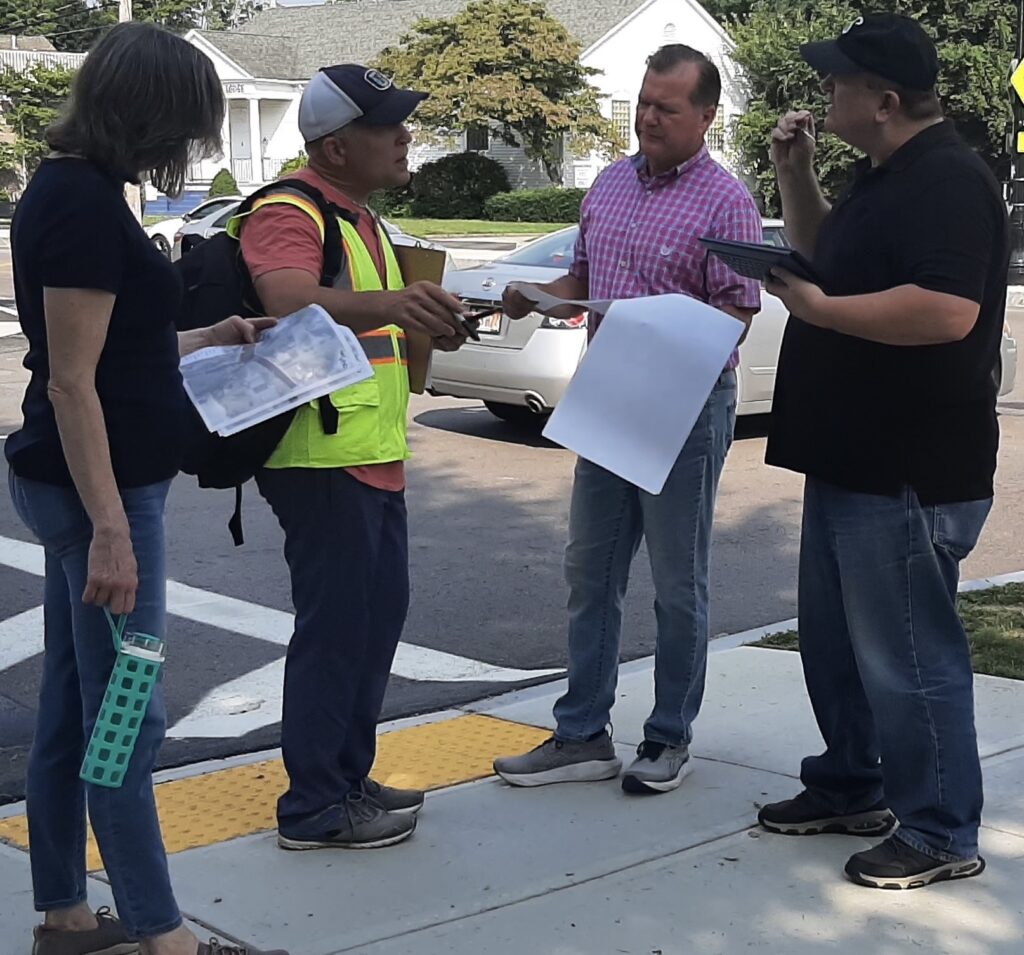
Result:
pixel 622 120
pixel 478 139
pixel 716 134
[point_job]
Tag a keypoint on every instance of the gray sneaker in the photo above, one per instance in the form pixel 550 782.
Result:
pixel 391 799
pixel 558 761
pixel 108 938
pixel 658 768
pixel 356 823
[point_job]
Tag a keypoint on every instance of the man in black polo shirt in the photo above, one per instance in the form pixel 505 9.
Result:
pixel 885 400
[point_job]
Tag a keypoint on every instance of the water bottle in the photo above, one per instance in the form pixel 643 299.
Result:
pixel 139 658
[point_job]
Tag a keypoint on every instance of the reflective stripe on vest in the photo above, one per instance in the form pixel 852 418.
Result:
pixel 372 414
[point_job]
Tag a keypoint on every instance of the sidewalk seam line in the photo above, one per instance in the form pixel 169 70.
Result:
pixel 543 894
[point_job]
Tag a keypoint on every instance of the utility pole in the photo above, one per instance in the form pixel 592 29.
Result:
pixel 132 192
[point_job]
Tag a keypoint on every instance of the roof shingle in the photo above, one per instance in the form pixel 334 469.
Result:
pixel 292 43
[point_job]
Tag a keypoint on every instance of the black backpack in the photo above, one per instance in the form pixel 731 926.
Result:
pixel 218 285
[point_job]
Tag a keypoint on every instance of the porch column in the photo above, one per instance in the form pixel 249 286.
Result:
pixel 256 140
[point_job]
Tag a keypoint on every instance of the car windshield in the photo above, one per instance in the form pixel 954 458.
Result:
pixel 773 235
pixel 553 251
pixel 221 222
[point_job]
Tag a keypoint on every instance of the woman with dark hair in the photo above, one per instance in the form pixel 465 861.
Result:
pixel 92 464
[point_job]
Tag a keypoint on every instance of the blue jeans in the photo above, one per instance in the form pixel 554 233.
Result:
pixel 347 549
pixel 887 662
pixel 78 659
pixel 608 519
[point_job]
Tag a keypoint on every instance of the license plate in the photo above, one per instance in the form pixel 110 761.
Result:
pixel 490 324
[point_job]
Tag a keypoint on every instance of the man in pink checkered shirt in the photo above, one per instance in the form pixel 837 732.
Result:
pixel 639 235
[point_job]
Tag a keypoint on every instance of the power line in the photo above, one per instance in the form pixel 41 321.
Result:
pixel 41 18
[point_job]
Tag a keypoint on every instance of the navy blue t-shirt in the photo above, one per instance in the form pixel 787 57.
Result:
pixel 73 229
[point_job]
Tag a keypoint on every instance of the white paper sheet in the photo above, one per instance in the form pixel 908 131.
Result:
pixel 642 385
pixel 546 302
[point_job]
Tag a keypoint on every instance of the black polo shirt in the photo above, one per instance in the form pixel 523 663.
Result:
pixel 876 418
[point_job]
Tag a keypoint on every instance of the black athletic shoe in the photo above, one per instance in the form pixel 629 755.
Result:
pixel 895 865
pixel 805 815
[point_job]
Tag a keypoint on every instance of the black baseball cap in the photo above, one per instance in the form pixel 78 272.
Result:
pixel 339 95
pixel 892 46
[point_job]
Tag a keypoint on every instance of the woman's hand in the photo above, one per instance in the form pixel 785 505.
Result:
pixel 239 331
pixel 113 574
pixel 231 331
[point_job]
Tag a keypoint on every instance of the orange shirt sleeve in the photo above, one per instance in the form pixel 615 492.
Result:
pixel 279 236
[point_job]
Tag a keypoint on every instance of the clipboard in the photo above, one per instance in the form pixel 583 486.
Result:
pixel 420 264
pixel 754 260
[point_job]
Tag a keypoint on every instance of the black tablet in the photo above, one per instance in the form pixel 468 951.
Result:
pixel 753 260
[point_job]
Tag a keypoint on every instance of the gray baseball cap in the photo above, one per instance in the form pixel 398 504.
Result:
pixel 340 95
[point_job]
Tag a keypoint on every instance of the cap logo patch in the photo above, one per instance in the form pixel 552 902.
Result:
pixel 859 22
pixel 377 80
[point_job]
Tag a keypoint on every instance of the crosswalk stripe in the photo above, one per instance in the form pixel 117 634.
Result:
pixel 252 700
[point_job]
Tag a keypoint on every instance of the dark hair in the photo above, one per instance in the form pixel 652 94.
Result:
pixel 916 105
pixel 144 101
pixel 708 91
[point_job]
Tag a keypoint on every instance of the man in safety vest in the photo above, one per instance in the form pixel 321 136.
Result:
pixel 336 481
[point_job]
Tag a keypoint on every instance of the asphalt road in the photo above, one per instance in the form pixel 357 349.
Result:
pixel 488 508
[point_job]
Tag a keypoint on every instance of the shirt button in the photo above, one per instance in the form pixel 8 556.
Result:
pixel 624 264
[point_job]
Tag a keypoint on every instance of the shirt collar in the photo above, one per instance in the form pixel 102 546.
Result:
pixel 698 159
pixel 941 134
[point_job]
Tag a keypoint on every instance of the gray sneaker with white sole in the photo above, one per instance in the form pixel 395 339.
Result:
pixel 658 768
pixel 561 761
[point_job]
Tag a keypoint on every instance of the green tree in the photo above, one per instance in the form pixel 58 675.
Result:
pixel 509 62
pixel 975 40
pixel 29 102
pixel 75 25
pixel 223 184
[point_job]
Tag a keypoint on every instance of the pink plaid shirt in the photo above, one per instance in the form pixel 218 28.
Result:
pixel 639 234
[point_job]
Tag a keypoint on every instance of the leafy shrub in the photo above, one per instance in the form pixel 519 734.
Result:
pixel 535 205
pixel 456 186
pixel 223 185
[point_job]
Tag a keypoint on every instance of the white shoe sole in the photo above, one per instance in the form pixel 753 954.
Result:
pixel 941 873
pixel 295 845
pixel 592 771
pixel 635 785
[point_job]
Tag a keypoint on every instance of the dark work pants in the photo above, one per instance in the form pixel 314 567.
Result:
pixel 347 549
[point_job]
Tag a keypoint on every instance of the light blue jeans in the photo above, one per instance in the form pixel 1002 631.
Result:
pixel 608 519
pixel 887 662
pixel 78 658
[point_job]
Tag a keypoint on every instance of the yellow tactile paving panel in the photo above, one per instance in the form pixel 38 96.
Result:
pixel 229 803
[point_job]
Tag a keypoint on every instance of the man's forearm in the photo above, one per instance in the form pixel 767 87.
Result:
pixel 907 315
pixel 804 209
pixel 360 311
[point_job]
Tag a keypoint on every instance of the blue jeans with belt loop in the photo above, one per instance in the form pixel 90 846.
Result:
pixel 608 518
pixel 77 662
pixel 887 663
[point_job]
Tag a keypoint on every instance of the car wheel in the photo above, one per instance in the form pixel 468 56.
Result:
pixel 517 414
pixel 163 246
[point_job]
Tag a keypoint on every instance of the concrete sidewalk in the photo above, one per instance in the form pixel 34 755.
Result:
pixel 582 869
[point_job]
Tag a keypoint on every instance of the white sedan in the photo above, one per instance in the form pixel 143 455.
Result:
pixel 520 369
pixel 162 233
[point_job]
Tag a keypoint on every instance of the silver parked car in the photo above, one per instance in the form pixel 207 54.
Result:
pixel 520 369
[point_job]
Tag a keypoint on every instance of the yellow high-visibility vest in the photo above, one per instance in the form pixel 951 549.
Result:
pixel 372 414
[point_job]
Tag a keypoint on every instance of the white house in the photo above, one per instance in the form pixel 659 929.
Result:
pixel 264 65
